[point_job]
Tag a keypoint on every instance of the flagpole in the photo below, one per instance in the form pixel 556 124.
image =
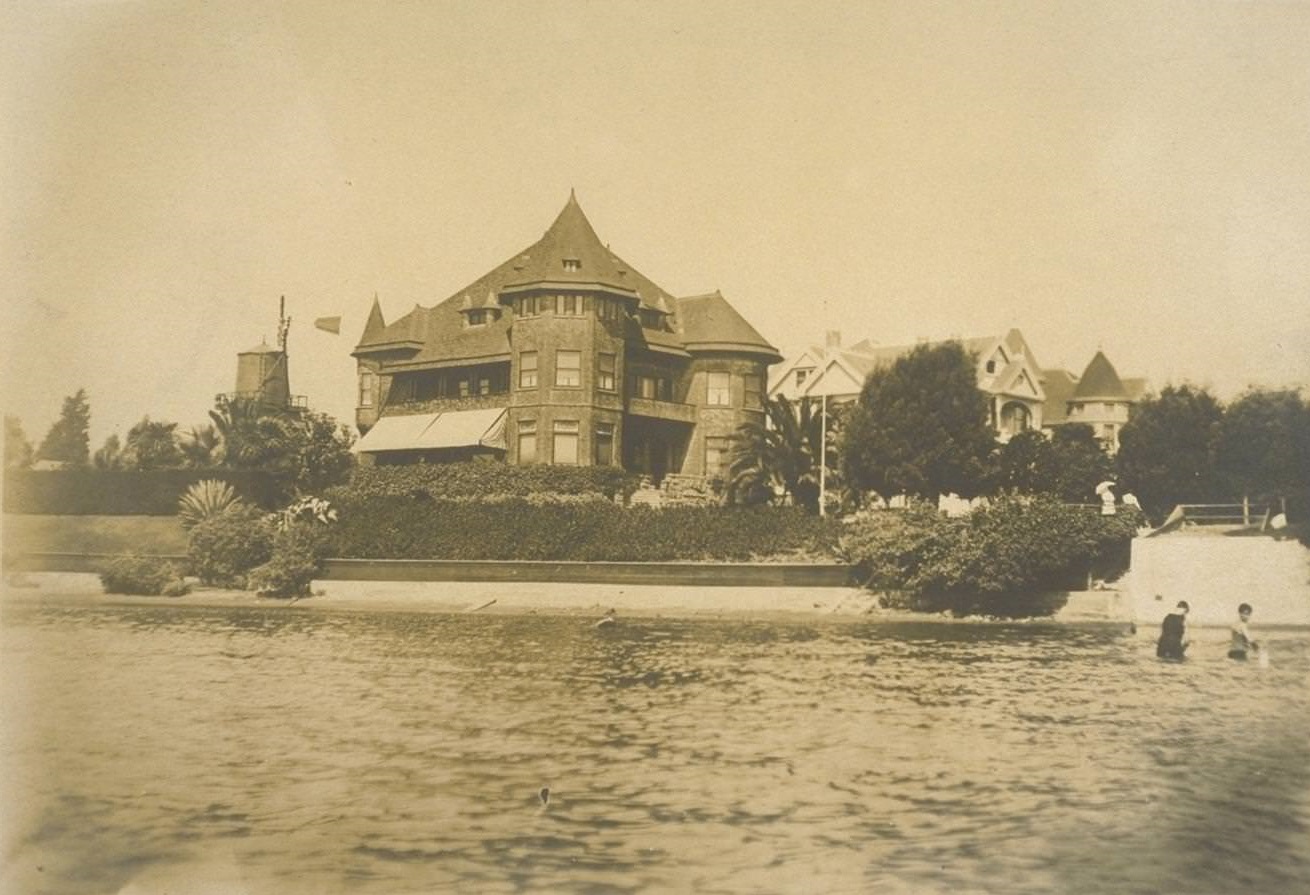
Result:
pixel 823 454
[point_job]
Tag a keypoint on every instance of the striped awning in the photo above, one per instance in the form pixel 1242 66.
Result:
pixel 434 431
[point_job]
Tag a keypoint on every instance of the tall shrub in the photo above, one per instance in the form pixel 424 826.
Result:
pixel 1012 558
pixel 224 548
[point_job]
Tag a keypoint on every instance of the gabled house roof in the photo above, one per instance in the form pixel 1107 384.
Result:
pixel 1018 375
pixel 570 255
pixel 1059 386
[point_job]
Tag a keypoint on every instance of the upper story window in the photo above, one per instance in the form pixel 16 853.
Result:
pixel 528 369
pixel 654 388
pixel 527 305
pixel 753 387
pixel 718 389
pixel 464 386
pixel 605 372
pixel 476 317
pixel 572 264
pixel 991 366
pixel 366 389
pixel 568 368
pixel 568 305
pixel 609 309
pixel 801 376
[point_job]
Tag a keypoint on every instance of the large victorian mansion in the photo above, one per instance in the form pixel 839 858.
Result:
pixel 562 354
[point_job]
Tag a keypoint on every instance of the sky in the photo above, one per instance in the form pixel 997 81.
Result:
pixel 1132 177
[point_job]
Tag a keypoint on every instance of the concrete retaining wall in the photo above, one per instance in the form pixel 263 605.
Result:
pixel 1214 573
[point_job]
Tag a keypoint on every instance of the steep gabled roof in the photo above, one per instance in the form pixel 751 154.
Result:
pixel 709 323
pixel 1059 386
pixel 1100 381
pixel 439 333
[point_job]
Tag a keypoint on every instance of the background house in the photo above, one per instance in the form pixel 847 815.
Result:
pixel 562 354
pixel 1008 375
pixel 1098 398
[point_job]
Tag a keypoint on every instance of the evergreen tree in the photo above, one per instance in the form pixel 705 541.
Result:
pixel 920 427
pixel 68 440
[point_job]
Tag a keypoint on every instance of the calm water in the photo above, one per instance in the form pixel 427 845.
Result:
pixel 298 749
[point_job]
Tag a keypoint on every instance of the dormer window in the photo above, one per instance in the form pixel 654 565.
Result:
pixel 572 264
pixel 991 366
pixel 477 317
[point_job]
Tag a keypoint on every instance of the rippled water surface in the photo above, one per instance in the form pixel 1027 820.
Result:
pixel 298 749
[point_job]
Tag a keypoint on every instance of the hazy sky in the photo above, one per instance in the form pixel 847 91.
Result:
pixel 1131 176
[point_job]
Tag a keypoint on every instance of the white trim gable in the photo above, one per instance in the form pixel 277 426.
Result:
pixel 836 380
pixel 783 373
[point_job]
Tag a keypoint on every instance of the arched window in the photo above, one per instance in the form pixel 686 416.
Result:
pixel 1015 418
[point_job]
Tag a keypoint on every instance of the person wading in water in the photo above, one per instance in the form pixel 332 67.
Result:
pixel 1173 633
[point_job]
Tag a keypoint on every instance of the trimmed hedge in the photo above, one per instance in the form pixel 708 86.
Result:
pixel 121 492
pixel 596 531
pixel 482 480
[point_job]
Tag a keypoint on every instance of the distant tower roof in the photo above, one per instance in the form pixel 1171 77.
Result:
pixel 1100 380
pixel 376 324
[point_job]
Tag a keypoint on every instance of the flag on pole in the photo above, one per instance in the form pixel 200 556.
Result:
pixel 329 325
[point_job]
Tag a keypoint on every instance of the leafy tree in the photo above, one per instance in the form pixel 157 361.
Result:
pixel 1263 444
pixel 781 453
pixel 152 445
pixel 1068 465
pixel 920 427
pixel 18 450
pixel 1166 451
pixel 68 440
pixel 110 455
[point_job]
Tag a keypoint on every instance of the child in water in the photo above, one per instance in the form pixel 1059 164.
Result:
pixel 1241 642
pixel 1173 633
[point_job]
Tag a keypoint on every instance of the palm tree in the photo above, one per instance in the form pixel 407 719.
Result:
pixel 202 447
pixel 781 454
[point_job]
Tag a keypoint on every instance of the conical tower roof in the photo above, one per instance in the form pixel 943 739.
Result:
pixel 1100 380
pixel 376 323
pixel 571 252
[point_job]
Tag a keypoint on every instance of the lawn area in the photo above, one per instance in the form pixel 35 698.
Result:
pixel 93 534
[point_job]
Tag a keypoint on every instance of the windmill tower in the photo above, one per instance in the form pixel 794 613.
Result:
pixel 262 373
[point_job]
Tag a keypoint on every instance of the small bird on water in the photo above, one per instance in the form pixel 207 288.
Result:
pixel 544 795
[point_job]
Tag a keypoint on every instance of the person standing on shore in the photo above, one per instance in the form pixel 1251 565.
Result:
pixel 1173 633
pixel 1241 642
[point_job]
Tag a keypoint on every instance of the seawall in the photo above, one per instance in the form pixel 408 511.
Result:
pixel 1215 572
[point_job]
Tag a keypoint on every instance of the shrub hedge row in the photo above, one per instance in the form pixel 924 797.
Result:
pixel 481 480
pixel 1008 559
pixel 517 529
pixel 121 492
